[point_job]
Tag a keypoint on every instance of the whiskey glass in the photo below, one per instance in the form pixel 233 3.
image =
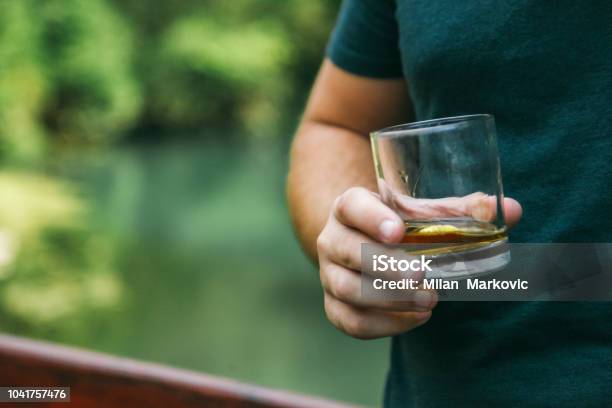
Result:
pixel 443 177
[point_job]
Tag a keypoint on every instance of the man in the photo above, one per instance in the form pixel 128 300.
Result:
pixel 544 69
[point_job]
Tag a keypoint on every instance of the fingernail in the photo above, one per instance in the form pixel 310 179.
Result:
pixel 387 228
pixel 422 299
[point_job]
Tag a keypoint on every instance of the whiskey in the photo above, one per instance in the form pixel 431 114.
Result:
pixel 459 231
pixel 450 240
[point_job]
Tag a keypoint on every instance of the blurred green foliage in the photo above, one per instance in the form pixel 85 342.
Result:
pixel 66 73
pixel 93 89
pixel 53 266
pixel 23 83
pixel 98 70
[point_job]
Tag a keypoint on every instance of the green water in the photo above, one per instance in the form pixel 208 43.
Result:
pixel 213 279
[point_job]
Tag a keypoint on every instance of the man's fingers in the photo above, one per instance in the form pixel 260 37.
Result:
pixel 362 210
pixel 512 211
pixel 371 323
pixel 486 210
pixel 342 245
pixel 345 285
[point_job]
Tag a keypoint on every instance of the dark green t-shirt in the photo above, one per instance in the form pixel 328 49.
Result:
pixel 544 69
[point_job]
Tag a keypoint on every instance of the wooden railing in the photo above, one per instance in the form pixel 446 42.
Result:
pixel 99 380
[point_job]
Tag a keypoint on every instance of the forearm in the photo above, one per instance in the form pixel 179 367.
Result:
pixel 331 151
pixel 326 160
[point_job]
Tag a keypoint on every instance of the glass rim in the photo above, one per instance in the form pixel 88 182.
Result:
pixel 430 123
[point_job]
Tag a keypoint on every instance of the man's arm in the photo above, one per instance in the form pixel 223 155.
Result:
pixel 331 151
pixel 330 188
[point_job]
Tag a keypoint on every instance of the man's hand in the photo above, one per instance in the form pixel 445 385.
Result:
pixel 358 216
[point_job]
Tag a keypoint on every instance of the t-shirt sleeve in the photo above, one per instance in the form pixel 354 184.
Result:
pixel 365 39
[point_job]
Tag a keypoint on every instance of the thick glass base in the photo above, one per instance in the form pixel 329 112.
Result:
pixel 473 261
